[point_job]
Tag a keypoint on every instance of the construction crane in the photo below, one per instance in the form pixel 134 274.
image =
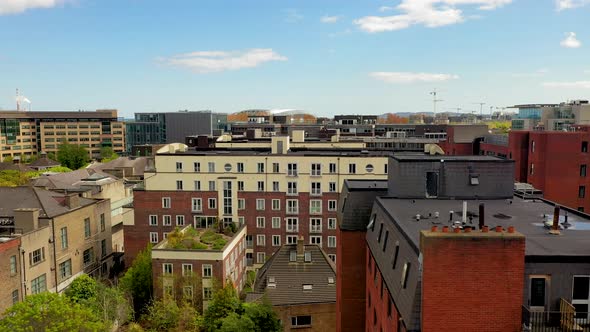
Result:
pixel 480 108
pixel 434 101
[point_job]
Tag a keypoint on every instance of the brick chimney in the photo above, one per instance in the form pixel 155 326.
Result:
pixel 26 219
pixel 72 201
pixel 477 275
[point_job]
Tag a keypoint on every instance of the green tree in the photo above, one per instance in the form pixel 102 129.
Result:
pixel 161 316
pixel 236 323
pixel 82 289
pixel 263 317
pixel 224 302
pixel 107 154
pixel 72 156
pixel 52 313
pixel 137 281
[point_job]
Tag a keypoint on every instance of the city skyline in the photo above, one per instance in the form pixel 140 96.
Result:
pixel 326 58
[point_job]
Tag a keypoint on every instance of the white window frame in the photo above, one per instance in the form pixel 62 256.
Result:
pixel 332 223
pixel 205 268
pixel 292 169
pixel 331 241
pixel 164 268
pixel 292 206
pixel 260 222
pixel 276 204
pixel 260 240
pixel 166 220
pixel 316 239
pixel 166 202
pixel 276 240
pixel 196 204
pixel 315 188
pixel 276 222
pixel 333 169
pixel 313 208
pixel 179 185
pixel 212 203
pixel 292 225
pixel 260 257
pixel 292 188
pixel 241 203
pixel 185 268
pixel 180 220
pixel 197 184
pixel 315 225
pixel 291 239
pixel 153 219
pixel 351 168
pixel 212 186
pixel 260 202
pixel 332 187
pixel 154 237
pixel 316 169
pixel 332 205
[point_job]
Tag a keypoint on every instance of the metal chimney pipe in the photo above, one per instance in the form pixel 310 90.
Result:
pixel 482 219
pixel 556 217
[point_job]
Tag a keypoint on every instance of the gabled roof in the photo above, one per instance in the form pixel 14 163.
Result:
pixel 49 202
pixel 44 162
pixel 15 167
pixel 137 163
pixel 70 180
pixel 289 278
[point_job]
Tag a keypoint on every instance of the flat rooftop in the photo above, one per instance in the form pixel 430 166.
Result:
pixel 359 185
pixel 425 157
pixel 267 152
pixel 526 215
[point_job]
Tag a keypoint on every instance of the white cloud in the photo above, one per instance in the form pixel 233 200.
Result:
pixel 216 61
pixel 408 77
pixel 569 85
pixel 292 15
pixel 18 6
pixel 538 73
pixel 430 13
pixel 571 41
pixel 329 19
pixel 570 4
pixel 385 8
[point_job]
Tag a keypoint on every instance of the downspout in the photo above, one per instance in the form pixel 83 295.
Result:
pixel 23 284
pixel 54 254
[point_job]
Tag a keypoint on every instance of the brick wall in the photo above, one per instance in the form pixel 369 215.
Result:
pixel 323 316
pixel 472 281
pixel 350 281
pixel 9 282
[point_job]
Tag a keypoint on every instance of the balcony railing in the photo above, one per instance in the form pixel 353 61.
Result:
pixel 250 244
pixel 566 319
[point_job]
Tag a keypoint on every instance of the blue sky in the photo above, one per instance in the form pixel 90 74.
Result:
pixel 325 56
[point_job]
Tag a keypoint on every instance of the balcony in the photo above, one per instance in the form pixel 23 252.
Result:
pixel 566 319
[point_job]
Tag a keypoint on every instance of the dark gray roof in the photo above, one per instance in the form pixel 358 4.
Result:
pixel 526 215
pixel 137 163
pixel 356 202
pixel 50 203
pixel 290 277
pixel 44 162
pixel 68 180
pixel 424 157
pixel 14 167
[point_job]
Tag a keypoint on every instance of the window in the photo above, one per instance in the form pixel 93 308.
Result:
pixel 37 256
pixel 275 186
pixel 211 167
pixel 331 223
pixel 276 240
pixel 13 265
pixel 332 205
pixel 291 239
pixel 332 187
pixel 405 273
pixel 583 170
pixel 352 168
pixel 276 204
pixel 165 235
pixel 316 188
pixel 15 296
pixel 207 270
pixel 532 171
pixel 88 256
pixel 207 293
pixel 275 167
pixel 581 208
pixel 240 185
pixel 389 307
pixel 64 237
pixel 39 284
pixel 196 204
pixel 260 185
pixel 165 202
pixel 292 169
pixel 212 203
pixel 197 185
pixel 315 240
pixel 241 204
pixel 187 270
pixel 260 240
pixel 385 170
pixel 582 191
pixel 315 225
pixel 369 168
pixel 154 237
pixel 332 257
pixel 332 168
pixel 65 269
pixel 87 231
pixel 292 206
pixel 584 146
pixel 178 184
pixel 187 292
pixel 315 206
pixel 240 167
pixel 316 169
pixel 197 167
pixel 227 167
pixel 103 247
pixel 167 268
pixel 259 222
pixel 260 204
pixel 291 188
pixel 394 262
pixel 301 321
pixel 212 186
pixel 153 220
pixel 178 166
pixel 533 146
pixel 307 286
pixel 260 257
pixel 179 220
pixel 167 220
pixel 292 226
pixel 276 222
pixel 260 167
pixel 331 242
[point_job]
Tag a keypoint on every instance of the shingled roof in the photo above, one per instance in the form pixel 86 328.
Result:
pixel 49 202
pixel 283 280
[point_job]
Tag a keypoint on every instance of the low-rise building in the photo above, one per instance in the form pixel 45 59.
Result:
pixel 187 263
pixel 299 280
